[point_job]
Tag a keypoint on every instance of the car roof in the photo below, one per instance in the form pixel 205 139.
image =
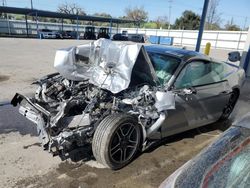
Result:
pixel 177 52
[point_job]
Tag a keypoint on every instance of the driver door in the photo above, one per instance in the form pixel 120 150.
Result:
pixel 201 97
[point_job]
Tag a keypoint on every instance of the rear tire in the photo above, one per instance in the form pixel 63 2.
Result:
pixel 228 109
pixel 116 140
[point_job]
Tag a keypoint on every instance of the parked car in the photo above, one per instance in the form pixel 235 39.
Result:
pixel 68 34
pixel 103 33
pixel 136 38
pixel 125 33
pixel 49 34
pixel 119 98
pixel 72 34
pixel 129 37
pixel 225 163
pixel 89 33
pixel 120 37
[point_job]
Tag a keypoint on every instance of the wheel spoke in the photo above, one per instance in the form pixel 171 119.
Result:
pixel 121 132
pixel 115 147
pixel 130 131
pixel 132 141
pixel 121 156
pixel 132 144
pixel 124 154
pixel 119 135
pixel 115 151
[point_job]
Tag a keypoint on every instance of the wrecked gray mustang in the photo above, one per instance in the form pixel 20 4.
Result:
pixel 121 98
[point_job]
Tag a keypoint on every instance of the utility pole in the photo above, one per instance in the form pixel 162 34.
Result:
pixel 169 13
pixel 202 23
pixel 4 2
pixel 31 4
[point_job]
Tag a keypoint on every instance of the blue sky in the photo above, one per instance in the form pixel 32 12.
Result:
pixel 239 9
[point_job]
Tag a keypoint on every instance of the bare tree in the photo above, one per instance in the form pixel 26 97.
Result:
pixel 231 26
pixel 71 9
pixel 213 16
pixel 161 21
pixel 137 14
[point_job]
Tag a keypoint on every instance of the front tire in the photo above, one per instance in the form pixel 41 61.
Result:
pixel 116 140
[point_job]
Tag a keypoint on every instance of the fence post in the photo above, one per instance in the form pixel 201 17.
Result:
pixel 37 26
pixel 117 26
pixel 8 24
pixel 138 24
pixel 62 24
pixel 239 40
pixel 217 36
pixel 182 36
pixel 110 26
pixel 26 22
pixel 77 28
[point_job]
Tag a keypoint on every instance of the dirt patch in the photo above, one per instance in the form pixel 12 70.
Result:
pixel 148 170
pixel 4 78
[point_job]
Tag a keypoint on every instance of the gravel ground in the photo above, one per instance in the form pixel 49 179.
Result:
pixel 23 163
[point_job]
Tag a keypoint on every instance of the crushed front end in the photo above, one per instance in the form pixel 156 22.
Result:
pixel 94 81
pixel 65 111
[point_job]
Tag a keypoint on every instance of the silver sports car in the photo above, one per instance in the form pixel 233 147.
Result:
pixel 119 98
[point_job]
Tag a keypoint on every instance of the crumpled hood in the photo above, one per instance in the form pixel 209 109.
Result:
pixel 104 63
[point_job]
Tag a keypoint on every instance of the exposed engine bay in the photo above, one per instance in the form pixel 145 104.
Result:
pixel 68 108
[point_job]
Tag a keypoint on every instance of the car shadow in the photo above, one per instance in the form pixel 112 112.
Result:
pixel 85 154
pixel 12 121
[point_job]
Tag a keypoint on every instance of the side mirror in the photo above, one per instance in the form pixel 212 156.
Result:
pixel 234 56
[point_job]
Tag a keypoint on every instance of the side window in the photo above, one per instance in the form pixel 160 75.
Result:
pixel 164 66
pixel 197 73
pixel 218 70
